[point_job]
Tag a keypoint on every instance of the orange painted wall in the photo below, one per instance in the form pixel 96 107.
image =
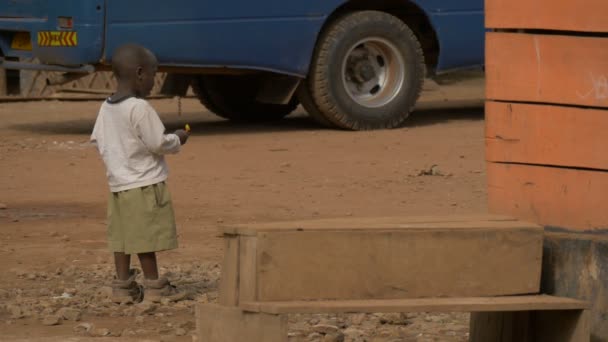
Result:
pixel 566 198
pixel 575 15
pixel 547 68
pixel 547 111
pixel 546 135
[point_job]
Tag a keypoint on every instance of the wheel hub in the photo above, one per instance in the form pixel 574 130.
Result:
pixel 364 72
pixel 373 72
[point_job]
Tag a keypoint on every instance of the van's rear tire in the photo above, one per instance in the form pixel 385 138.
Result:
pixel 234 98
pixel 310 106
pixel 367 72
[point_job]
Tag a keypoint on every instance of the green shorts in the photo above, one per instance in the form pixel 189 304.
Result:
pixel 141 220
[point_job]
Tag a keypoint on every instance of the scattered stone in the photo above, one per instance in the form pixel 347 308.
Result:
pixel 315 336
pixel 70 314
pixel 128 332
pixel 52 320
pixel 83 328
pixel 105 292
pixel 20 273
pixel 145 308
pixel 203 298
pixel 357 319
pixel 395 319
pixel 48 305
pixel 3 206
pixel 165 330
pixel 385 332
pixel 47 312
pixel 338 337
pixel 63 296
pixel 70 291
pixel 433 319
pixel 189 325
pixel 70 271
pixel 54 234
pixel 325 329
pixel 37 303
pixel 432 171
pixel 167 338
pixel 313 321
pixel 353 333
pixel 165 301
pixel 31 276
pixel 101 332
pixel 65 238
pixel 16 311
pixel 410 315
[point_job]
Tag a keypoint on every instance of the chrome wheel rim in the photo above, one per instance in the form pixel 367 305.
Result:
pixel 373 72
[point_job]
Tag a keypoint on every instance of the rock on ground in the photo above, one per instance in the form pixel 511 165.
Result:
pixel 52 320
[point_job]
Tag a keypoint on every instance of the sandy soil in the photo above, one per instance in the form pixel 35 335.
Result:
pixel 53 188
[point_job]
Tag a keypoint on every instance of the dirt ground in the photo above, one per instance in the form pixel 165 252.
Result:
pixel 53 191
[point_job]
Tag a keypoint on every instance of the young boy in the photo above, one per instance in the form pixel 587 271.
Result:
pixel 131 140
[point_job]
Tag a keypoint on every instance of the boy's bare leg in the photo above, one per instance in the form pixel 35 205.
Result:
pixel 123 264
pixel 125 289
pixel 148 265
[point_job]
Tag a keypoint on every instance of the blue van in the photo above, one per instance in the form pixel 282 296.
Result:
pixel 357 64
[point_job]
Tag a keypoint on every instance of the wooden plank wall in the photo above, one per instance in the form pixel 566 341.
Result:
pixel 547 111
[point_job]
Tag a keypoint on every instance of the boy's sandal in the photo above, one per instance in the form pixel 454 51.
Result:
pixel 159 289
pixel 127 291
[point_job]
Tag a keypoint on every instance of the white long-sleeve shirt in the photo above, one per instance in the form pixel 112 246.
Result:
pixel 131 140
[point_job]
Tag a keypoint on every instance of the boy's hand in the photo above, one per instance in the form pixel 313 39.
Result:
pixel 183 136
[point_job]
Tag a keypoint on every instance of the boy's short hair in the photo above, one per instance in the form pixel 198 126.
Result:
pixel 128 57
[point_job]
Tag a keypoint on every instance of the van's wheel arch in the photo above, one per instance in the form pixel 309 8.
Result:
pixel 234 97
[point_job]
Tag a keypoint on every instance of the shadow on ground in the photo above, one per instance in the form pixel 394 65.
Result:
pixel 299 122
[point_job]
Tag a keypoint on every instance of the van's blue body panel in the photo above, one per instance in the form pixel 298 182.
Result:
pixel 274 35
